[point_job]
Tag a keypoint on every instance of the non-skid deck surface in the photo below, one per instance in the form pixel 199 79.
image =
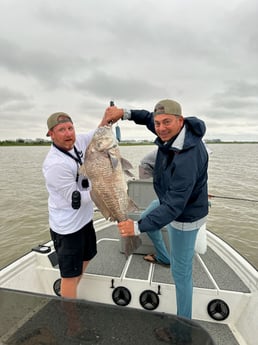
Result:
pixel 111 261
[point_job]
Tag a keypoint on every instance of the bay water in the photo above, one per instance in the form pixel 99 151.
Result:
pixel 233 180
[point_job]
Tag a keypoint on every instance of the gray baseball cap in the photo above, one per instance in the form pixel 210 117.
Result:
pixel 169 107
pixel 56 119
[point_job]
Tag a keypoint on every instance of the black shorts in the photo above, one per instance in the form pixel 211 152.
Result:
pixel 73 249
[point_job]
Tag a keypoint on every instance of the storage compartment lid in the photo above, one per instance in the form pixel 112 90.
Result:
pixel 141 192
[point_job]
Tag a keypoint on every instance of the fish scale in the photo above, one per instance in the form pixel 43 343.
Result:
pixel 105 168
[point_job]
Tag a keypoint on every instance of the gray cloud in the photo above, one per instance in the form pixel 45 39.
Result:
pixel 237 101
pixel 7 95
pixel 49 68
pixel 75 58
pixel 107 86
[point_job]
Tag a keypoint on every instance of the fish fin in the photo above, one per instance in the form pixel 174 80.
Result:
pixel 132 207
pixel 113 159
pixel 126 165
pixel 128 173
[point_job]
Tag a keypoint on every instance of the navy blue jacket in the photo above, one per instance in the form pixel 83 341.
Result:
pixel 180 174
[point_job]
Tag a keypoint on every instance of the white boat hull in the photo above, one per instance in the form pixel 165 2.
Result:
pixel 222 279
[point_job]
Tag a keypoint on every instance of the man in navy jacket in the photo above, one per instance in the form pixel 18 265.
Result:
pixel 180 182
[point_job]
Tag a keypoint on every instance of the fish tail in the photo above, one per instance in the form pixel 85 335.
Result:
pixel 131 244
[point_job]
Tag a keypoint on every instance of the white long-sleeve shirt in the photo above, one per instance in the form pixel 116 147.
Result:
pixel 60 173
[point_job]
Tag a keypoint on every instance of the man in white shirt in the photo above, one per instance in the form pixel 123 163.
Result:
pixel 69 203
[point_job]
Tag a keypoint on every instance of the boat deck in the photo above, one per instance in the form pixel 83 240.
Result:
pixel 111 261
pixel 110 269
pixel 209 272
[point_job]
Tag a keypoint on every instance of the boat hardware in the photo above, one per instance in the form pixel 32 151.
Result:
pixel 218 309
pixel 149 300
pixel 121 296
pixel 42 249
pixel 112 284
pixel 57 287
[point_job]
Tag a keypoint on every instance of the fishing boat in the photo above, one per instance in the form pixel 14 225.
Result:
pixel 136 293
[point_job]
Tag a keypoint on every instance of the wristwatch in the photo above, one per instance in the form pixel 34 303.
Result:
pixel 127 114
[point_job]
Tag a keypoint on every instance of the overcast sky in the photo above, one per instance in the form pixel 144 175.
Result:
pixel 75 56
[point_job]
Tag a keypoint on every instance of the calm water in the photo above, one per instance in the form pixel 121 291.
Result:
pixel 233 172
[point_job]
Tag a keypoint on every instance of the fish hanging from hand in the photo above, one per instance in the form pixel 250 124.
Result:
pixel 106 169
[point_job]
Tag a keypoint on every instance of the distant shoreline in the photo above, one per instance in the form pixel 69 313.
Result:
pixel 123 143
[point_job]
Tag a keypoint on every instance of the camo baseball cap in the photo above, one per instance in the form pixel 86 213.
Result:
pixel 56 119
pixel 169 107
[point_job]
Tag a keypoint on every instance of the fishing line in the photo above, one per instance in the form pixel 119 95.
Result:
pixel 230 198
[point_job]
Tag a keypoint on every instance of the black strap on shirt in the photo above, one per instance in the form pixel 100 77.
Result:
pixel 77 159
